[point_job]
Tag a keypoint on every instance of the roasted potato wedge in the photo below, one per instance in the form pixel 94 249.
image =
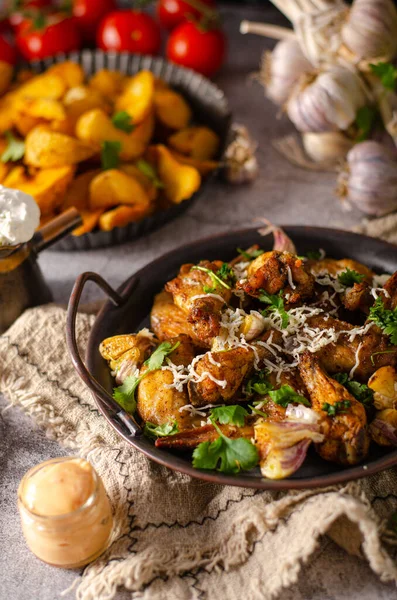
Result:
pixel 81 99
pixel 132 170
pixel 108 83
pixel 47 149
pixel 47 85
pixel 78 192
pixel 95 127
pixel 180 181
pixel 44 108
pixel 47 186
pixel 113 187
pixel 137 96
pixel 122 215
pixel 198 142
pixel 71 73
pixel 204 167
pixel 171 108
pixel 6 73
pixel 90 221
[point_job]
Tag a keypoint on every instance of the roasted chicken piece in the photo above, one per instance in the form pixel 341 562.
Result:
pixel 168 320
pixel 334 267
pixel 358 297
pixel 160 404
pixel 187 440
pixel 346 437
pixel 126 353
pixel 201 297
pixel 341 356
pixel 390 301
pixel 275 271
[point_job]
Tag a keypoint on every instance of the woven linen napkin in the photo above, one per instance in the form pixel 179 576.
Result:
pixel 178 538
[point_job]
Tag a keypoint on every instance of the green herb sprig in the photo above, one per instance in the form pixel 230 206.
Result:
pixel 385 319
pixel 123 121
pixel 110 154
pixel 250 255
pixel 258 384
pixel 349 277
pixel 276 305
pixel 15 149
pixel 286 395
pixel 337 408
pixel 224 277
pixel 155 431
pixel 360 391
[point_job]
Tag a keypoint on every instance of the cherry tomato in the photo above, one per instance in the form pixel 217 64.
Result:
pixel 201 50
pixel 130 31
pixel 173 12
pixel 16 16
pixel 89 13
pixel 7 51
pixel 57 34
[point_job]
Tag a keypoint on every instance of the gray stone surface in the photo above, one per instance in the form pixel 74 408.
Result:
pixel 282 193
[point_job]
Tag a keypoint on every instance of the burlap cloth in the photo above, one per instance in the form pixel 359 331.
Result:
pixel 178 538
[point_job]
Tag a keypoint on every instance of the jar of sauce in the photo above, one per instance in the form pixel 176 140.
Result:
pixel 65 513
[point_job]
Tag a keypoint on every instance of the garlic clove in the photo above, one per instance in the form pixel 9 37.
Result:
pixel 252 326
pixel 371 29
pixel 281 69
pixel 329 102
pixel 327 147
pixel 241 165
pixel 369 178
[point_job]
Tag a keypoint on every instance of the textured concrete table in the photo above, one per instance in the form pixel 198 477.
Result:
pixel 282 193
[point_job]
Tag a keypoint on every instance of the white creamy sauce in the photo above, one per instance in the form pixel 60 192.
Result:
pixel 19 217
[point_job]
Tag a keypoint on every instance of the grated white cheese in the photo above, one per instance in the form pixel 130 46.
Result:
pixel 290 280
pixel 380 280
pixel 324 278
pixel 301 413
pixel 356 364
pixel 216 296
pixel 375 291
pixel 240 269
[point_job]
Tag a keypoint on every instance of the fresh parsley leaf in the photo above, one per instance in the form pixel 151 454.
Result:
pixel 216 280
pixel 365 120
pixel 156 360
pixel 349 277
pixel 147 169
pixel 276 304
pixel 250 255
pixel 387 73
pixel 313 254
pixel 122 120
pixel 360 391
pixel 337 408
pixel 226 455
pixel 227 275
pixel 258 384
pixel 125 393
pixel 229 415
pixel 154 431
pixel 385 319
pixel 286 395
pixel 15 149
pixel 110 154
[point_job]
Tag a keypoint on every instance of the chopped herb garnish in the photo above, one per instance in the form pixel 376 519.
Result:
pixel 226 273
pixel 360 391
pixel 110 154
pixel 387 73
pixel 150 172
pixel 365 120
pixel 155 431
pixel 385 319
pixel 250 255
pixel 258 384
pixel 256 411
pixel 337 408
pixel 286 395
pixel 122 120
pixel 226 455
pixel 276 304
pixel 125 394
pixel 215 278
pixel 15 149
pixel 229 415
pixel 349 277
pixel 314 254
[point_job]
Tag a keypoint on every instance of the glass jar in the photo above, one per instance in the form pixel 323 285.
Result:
pixel 75 537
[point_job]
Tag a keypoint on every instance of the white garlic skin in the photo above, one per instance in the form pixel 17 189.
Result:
pixel 370 180
pixel 282 68
pixel 328 147
pixel 241 165
pixel 329 103
pixel 371 29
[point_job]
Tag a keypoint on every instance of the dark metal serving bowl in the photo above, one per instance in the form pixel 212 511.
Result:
pixel 209 105
pixel 128 310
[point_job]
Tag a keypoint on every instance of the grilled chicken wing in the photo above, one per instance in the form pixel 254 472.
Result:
pixel 275 271
pixel 126 353
pixel 341 356
pixel 358 297
pixel 346 438
pixel 168 320
pixel 190 293
pixel 160 404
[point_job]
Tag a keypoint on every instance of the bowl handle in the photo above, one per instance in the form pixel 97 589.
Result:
pixel 117 412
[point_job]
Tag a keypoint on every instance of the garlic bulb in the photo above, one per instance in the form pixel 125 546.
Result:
pixel 329 103
pixel 371 29
pixel 281 69
pixel 369 179
pixel 327 147
pixel 241 165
